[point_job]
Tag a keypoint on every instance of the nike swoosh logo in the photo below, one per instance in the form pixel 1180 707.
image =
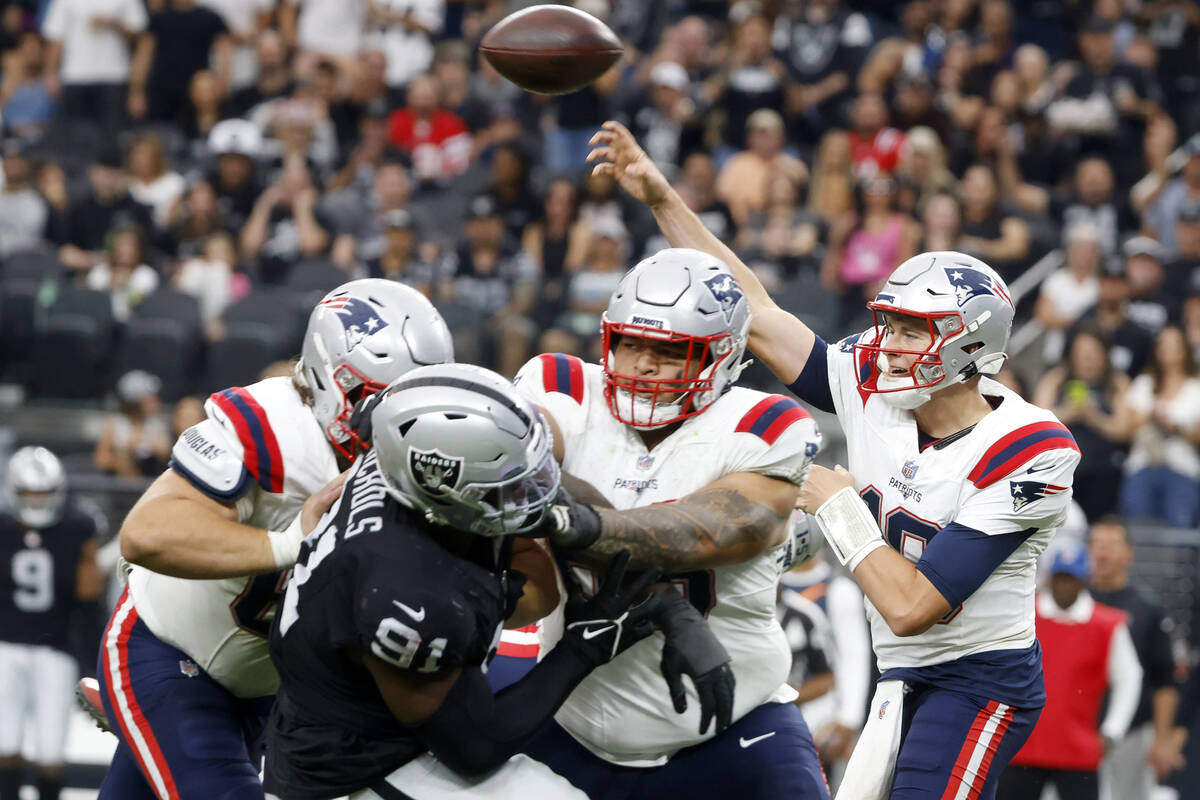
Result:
pixel 592 633
pixel 1032 470
pixel 417 615
pixel 744 742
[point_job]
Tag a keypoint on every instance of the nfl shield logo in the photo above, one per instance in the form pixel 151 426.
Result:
pixel 909 470
pixel 883 708
pixel 645 462
pixel 188 667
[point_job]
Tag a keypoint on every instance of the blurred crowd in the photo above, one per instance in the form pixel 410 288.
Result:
pixel 181 176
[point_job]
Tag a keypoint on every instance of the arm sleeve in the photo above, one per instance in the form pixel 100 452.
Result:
pixel 1160 661
pixel 1125 681
pixel 812 385
pixel 959 559
pixel 474 731
pixel 852 641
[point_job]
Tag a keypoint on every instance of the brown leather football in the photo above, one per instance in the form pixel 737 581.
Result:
pixel 551 49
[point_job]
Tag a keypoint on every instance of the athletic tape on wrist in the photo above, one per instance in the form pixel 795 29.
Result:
pixel 285 544
pixel 849 527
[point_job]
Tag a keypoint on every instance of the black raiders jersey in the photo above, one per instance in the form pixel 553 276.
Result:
pixel 37 577
pixel 373 578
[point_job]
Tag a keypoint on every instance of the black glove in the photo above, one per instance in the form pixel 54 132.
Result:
pixel 360 417
pixel 603 625
pixel 691 649
pixel 570 524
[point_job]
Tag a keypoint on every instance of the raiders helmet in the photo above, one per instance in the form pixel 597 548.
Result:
pixel 676 295
pixel 36 487
pixel 457 443
pixel 360 337
pixel 968 311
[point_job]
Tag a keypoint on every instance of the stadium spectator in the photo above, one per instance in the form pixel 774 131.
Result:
pixel 490 111
pixel 490 288
pixel 244 20
pixel 285 225
pixel 588 289
pixel 400 260
pixel 194 218
pixel 1088 396
pixel 745 178
pixel 151 183
pixel 1162 471
pixel 204 110
pixel 831 188
pixel 273 78
pixel 23 211
pixel 80 229
pixel 404 31
pixel 134 442
pixel 1149 302
pixel 25 101
pixel 210 276
pixel 123 272
pixel 1151 749
pixel 180 40
pixel 941 222
pixel 1161 201
pixel 90 57
pixel 1086 651
pixel 510 188
pixel 1072 290
pixel 1182 274
pixel 874 146
pixel 669 123
pixel 356 170
pixel 1129 342
pixel 437 139
pixel 235 144
pixel 865 246
pixel 359 222
pixel 323 29
pixel 750 79
pixel 783 236
pixel 990 231
pixel 923 165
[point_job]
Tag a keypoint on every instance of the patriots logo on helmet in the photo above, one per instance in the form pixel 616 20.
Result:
pixel 969 283
pixel 435 471
pixel 726 292
pixel 358 318
pixel 1026 492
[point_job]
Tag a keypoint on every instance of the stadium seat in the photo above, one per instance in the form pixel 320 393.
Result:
pixel 72 346
pixel 238 357
pixel 34 265
pixel 163 347
pixel 282 309
pixel 169 304
pixel 18 308
pixel 317 275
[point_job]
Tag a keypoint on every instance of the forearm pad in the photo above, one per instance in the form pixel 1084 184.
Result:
pixel 849 527
pixel 475 731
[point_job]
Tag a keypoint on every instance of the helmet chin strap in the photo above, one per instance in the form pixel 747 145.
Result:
pixel 643 409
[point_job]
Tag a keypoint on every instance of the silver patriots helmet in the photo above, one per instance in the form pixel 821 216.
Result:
pixel 676 295
pixel 361 337
pixel 458 443
pixel 968 311
pixel 36 487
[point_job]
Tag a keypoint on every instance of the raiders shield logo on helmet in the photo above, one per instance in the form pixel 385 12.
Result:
pixel 434 471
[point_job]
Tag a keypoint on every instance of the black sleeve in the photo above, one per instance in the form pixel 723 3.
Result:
pixel 1160 661
pixel 475 731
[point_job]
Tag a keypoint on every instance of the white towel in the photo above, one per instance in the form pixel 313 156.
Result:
pixel 869 771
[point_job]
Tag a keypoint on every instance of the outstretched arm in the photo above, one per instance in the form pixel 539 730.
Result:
pixel 729 521
pixel 777 336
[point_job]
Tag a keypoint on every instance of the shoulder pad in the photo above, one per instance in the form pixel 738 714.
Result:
pixel 561 373
pixel 770 417
pixel 423 632
pixel 207 457
pixel 1019 448
pixel 237 409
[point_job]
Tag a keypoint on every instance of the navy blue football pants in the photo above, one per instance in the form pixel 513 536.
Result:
pixel 766 755
pixel 182 735
pixel 955 746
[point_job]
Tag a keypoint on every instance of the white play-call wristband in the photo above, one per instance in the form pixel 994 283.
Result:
pixel 849 527
pixel 285 544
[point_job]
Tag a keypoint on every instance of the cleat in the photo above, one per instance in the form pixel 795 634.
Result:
pixel 87 692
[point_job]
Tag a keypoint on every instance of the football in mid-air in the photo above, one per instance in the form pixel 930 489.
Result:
pixel 551 49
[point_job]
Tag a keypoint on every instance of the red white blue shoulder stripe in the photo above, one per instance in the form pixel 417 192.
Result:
pixel 564 374
pixel 770 417
pixel 260 448
pixel 1018 448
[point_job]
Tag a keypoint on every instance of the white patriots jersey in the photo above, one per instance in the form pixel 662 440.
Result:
pixel 622 711
pixel 1011 473
pixel 261 448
